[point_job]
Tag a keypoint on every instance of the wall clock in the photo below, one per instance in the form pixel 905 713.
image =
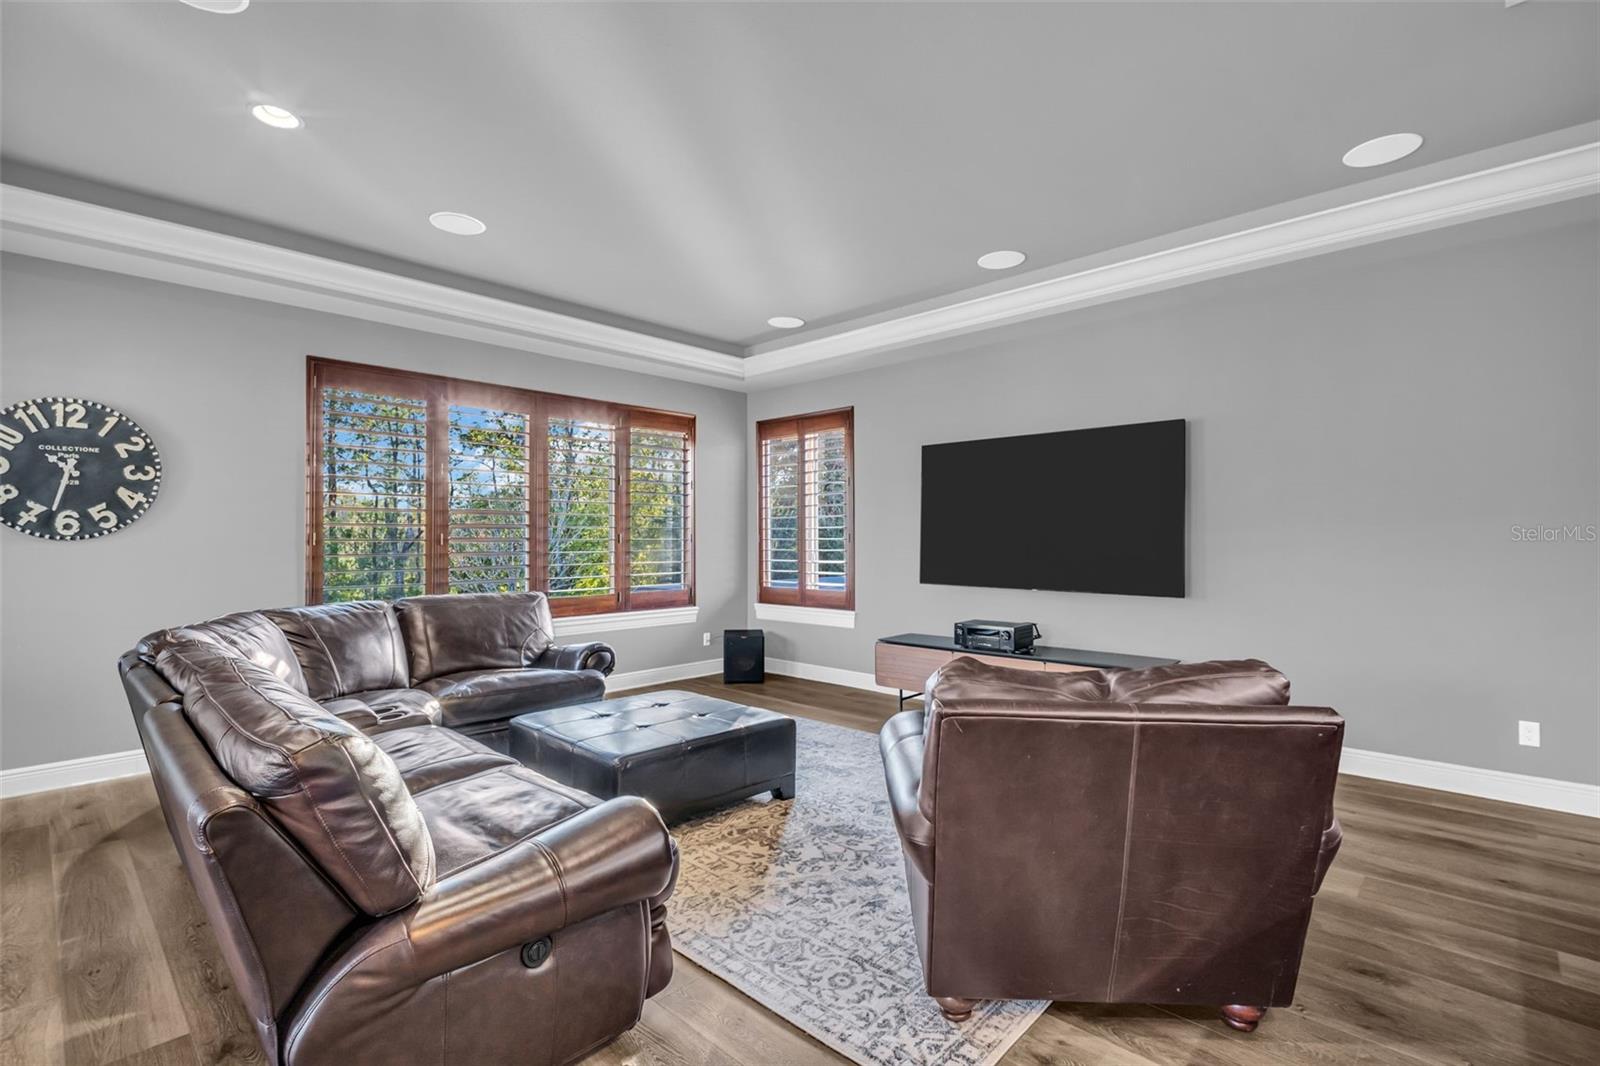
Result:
pixel 74 469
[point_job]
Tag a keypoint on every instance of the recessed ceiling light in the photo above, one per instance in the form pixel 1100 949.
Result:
pixel 277 117
pixel 219 7
pixel 457 223
pixel 786 322
pixel 1001 260
pixel 1381 150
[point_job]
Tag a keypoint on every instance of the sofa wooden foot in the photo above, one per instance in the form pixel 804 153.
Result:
pixel 1244 1019
pixel 955 1008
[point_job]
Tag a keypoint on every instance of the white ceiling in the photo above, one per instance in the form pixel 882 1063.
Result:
pixel 701 168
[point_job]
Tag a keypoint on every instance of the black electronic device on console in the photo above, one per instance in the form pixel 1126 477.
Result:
pixel 977 633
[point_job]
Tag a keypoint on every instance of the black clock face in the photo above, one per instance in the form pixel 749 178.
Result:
pixel 74 469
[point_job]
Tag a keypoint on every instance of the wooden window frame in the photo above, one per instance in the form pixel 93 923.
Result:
pixel 439 393
pixel 797 427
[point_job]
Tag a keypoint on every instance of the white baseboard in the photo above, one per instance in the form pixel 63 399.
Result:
pixel 69 772
pixel 86 771
pixel 829 674
pixel 1548 793
pixel 1573 797
pixel 662 674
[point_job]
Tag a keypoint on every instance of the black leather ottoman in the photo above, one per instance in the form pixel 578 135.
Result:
pixel 681 751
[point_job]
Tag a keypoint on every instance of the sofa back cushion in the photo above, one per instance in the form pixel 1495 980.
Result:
pixel 328 784
pixel 1229 682
pixel 968 686
pixel 345 647
pixel 483 631
pixel 250 633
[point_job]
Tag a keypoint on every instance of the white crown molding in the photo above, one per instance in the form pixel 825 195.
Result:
pixel 611 623
pixel 71 231
pixel 1533 182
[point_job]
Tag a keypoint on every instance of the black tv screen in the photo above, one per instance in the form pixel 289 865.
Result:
pixel 1086 510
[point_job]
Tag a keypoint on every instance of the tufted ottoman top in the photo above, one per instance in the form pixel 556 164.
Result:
pixel 680 750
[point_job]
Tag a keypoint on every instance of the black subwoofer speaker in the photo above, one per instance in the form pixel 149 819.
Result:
pixel 744 656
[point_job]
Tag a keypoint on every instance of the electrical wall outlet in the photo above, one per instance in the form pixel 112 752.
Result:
pixel 1528 734
pixel 705 640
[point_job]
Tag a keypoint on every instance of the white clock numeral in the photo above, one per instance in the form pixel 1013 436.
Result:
pixel 5 464
pixel 130 474
pixel 130 498
pixel 70 414
pixel 31 515
pixel 127 448
pixel 9 437
pixel 29 415
pixel 102 516
pixel 67 523
pixel 8 493
pixel 110 424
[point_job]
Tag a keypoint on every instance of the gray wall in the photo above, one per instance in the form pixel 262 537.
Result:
pixel 1365 429
pixel 219 382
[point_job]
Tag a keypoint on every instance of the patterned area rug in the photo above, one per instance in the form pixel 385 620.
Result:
pixel 802 906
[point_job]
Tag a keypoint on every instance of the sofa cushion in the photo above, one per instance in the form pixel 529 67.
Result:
pixel 250 633
pixel 430 755
pixel 345 647
pixel 332 788
pixel 475 696
pixel 968 686
pixel 484 631
pixel 474 817
pixel 1230 682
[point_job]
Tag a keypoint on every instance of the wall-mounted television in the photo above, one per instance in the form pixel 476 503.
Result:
pixel 1083 510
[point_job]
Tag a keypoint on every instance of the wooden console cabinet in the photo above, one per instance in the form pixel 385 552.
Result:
pixel 904 662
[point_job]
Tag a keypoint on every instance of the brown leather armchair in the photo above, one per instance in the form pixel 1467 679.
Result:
pixel 386 889
pixel 1151 836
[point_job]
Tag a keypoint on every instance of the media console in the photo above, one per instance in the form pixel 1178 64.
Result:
pixel 904 662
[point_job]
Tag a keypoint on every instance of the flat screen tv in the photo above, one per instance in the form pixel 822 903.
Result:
pixel 1085 510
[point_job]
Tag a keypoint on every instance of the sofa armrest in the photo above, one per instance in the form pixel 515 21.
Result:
pixel 900 742
pixel 595 655
pixel 606 857
pixel 1332 837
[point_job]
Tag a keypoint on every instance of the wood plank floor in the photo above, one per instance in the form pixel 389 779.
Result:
pixel 1450 930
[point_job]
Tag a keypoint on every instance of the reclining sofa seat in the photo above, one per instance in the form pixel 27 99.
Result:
pixel 1152 836
pixel 378 882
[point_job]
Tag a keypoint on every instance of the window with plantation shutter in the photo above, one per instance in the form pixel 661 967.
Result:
pixel 582 522
pixel 489 500
pixel 373 495
pixel 806 520
pixel 659 552
pixel 418 483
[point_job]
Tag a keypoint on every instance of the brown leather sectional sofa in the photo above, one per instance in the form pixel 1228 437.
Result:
pixel 385 886
pixel 1151 836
